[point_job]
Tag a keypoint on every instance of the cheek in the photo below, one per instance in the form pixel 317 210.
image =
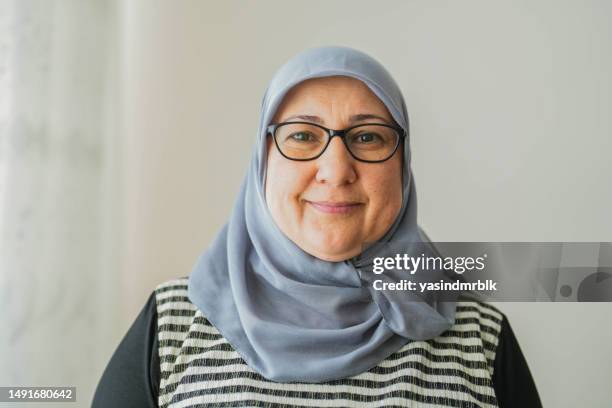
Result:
pixel 384 187
pixel 285 183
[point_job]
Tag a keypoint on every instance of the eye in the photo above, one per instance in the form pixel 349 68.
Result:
pixel 301 137
pixel 365 138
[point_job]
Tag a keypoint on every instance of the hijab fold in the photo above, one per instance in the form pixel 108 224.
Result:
pixel 292 316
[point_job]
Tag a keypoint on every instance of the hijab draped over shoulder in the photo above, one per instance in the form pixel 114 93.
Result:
pixel 290 315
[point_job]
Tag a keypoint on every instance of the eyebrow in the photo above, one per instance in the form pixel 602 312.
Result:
pixel 360 117
pixel 365 116
pixel 307 118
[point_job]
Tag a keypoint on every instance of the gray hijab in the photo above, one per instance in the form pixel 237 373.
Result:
pixel 290 315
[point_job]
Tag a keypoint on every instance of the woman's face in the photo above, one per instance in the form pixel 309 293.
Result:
pixel 333 205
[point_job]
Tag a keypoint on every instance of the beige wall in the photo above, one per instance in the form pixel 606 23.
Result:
pixel 511 133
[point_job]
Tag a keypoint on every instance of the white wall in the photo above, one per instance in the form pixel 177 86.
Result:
pixel 59 229
pixel 511 132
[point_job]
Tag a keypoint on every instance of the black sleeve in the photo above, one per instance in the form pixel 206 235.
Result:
pixel 512 380
pixel 131 378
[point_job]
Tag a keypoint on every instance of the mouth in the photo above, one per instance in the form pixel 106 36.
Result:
pixel 335 207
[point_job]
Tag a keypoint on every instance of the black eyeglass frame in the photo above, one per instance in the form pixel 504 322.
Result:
pixel 271 129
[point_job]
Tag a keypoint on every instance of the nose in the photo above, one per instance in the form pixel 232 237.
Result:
pixel 336 165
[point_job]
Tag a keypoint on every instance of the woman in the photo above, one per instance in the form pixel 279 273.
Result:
pixel 280 310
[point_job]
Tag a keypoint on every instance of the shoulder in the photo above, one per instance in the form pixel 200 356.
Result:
pixel 485 313
pixel 484 322
pixel 177 315
pixel 172 287
pixel 173 295
pixel 131 377
pixel 184 336
pixel 512 380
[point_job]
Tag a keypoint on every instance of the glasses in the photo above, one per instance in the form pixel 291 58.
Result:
pixel 368 142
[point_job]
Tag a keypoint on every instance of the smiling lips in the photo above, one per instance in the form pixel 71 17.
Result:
pixel 338 207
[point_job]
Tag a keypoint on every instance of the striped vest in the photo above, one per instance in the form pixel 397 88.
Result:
pixel 200 368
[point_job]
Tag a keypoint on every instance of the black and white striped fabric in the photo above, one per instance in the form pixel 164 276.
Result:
pixel 200 368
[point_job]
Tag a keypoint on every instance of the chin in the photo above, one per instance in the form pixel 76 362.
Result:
pixel 329 250
pixel 329 257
